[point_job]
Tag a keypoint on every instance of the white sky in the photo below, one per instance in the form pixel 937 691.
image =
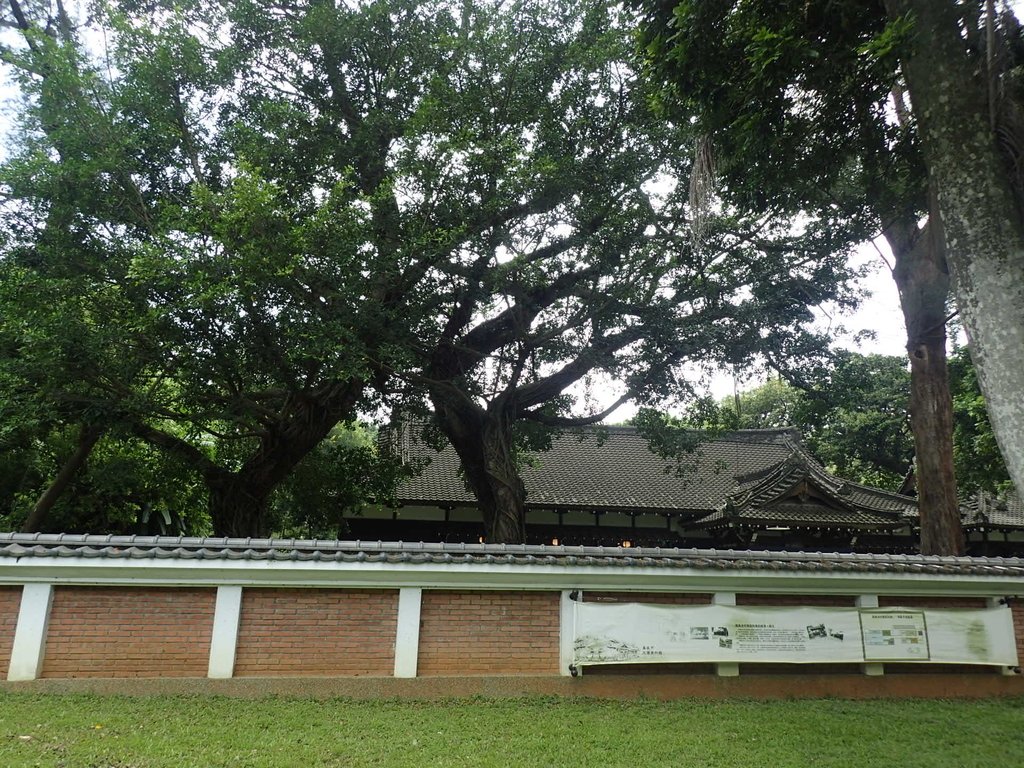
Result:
pixel 880 312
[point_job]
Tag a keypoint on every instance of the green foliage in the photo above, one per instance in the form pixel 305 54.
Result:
pixel 337 478
pixel 125 487
pixel 858 419
pixel 855 419
pixel 979 464
pixel 678 440
pixel 238 225
pixel 794 95
pixel 802 102
pixel 853 416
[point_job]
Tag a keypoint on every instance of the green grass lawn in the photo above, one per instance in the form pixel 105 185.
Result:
pixel 85 731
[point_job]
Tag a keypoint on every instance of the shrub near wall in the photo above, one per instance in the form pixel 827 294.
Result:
pixel 10 600
pixel 129 632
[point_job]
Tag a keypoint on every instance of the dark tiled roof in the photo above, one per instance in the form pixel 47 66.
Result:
pixel 985 509
pixel 768 500
pixel 800 466
pixel 799 514
pixel 613 469
pixel 747 471
pixel 67 546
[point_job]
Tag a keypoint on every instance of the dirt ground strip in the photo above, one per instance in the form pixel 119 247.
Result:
pixel 662 687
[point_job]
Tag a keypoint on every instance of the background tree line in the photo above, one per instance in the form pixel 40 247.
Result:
pixel 855 419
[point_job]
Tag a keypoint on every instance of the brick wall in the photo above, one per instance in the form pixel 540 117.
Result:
pixel 934 602
pixel 489 633
pixel 811 601
pixel 654 598
pixel 129 632
pixel 165 632
pixel 333 633
pixel 10 602
pixel 1018 628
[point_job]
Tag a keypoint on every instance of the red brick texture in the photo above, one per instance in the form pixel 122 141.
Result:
pixel 143 632
pixel 797 601
pixel 1018 628
pixel 10 603
pixel 489 633
pixel 303 632
pixel 934 602
pixel 129 632
pixel 653 598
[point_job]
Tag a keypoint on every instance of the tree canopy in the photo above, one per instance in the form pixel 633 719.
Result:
pixel 806 105
pixel 963 67
pixel 855 418
pixel 234 226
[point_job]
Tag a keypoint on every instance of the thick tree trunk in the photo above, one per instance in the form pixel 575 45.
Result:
pixel 483 439
pixel 238 506
pixel 931 416
pixel 923 281
pixel 88 436
pixel 239 501
pixel 981 218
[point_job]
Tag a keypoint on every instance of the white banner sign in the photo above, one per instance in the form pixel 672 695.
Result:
pixel 631 633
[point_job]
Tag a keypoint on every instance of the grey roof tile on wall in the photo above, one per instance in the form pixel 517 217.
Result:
pixel 20 546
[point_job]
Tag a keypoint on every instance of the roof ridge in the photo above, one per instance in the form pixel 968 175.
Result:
pixel 791 431
pixel 129 546
pixel 882 491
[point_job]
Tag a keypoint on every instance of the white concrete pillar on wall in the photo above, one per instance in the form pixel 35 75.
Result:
pixel 30 632
pixel 871 668
pixel 224 641
pixel 407 632
pixel 567 630
pixel 1002 603
pixel 725 668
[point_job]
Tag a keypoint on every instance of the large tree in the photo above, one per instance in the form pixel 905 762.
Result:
pixel 804 105
pixel 297 210
pixel 178 285
pixel 962 67
pixel 604 278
